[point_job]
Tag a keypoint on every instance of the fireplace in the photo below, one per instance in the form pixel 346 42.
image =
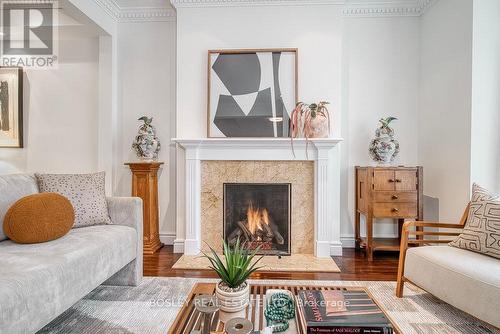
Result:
pixel 259 215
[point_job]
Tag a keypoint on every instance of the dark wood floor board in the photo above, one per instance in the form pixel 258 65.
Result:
pixel 353 265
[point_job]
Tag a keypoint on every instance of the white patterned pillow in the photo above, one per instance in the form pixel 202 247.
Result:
pixel 482 229
pixel 85 192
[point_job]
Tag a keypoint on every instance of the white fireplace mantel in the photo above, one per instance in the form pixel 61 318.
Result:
pixel 323 151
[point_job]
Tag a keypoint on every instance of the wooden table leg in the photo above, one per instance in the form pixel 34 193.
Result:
pixel 369 237
pixel 357 237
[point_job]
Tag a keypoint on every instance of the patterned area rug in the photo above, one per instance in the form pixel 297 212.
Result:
pixel 294 263
pixel 151 308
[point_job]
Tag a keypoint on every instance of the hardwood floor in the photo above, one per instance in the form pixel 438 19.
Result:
pixel 353 265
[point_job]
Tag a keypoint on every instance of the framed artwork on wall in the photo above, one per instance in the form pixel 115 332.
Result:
pixel 11 107
pixel 251 93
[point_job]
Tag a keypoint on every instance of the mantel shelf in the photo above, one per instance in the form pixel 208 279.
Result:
pixel 255 141
pixel 259 148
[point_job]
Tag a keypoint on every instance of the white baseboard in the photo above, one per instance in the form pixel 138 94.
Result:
pixel 179 246
pixel 167 238
pixel 348 242
pixel 336 249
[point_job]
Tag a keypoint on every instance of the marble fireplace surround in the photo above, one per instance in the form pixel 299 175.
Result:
pixel 300 174
pixel 324 153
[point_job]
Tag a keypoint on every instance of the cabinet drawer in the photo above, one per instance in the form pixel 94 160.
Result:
pixel 394 196
pixel 395 210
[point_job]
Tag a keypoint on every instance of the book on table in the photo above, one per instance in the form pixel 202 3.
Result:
pixel 341 311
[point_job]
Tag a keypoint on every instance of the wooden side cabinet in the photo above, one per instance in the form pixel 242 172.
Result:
pixel 145 186
pixel 386 192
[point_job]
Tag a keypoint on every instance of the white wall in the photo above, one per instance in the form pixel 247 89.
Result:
pixel 485 135
pixel 444 132
pixel 381 59
pixel 147 87
pixel 315 30
pixel 60 111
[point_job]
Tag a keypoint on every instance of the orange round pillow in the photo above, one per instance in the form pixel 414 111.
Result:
pixel 39 218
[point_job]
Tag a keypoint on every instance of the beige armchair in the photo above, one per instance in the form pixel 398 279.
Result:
pixel 467 280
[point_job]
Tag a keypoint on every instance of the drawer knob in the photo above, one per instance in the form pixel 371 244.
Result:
pixel 398 180
pixel 395 196
pixel 391 180
pixel 395 210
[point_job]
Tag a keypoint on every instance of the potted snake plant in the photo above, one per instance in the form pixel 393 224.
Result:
pixel 233 291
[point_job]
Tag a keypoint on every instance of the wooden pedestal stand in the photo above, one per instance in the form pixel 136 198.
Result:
pixel 145 186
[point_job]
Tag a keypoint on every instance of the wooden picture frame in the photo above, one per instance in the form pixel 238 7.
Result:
pixel 251 98
pixel 11 107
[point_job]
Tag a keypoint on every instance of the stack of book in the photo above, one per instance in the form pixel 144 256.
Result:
pixel 340 311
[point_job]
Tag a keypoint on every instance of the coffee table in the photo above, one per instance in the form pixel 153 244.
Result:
pixel 189 319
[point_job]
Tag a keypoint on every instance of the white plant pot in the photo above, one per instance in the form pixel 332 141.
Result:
pixel 231 301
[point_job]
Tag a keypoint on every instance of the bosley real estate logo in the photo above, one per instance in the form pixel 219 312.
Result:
pixel 29 33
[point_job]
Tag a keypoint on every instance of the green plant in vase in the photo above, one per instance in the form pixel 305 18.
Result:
pixel 233 291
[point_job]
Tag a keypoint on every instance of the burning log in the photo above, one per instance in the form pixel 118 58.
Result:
pixel 265 234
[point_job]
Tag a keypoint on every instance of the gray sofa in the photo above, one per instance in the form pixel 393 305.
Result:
pixel 40 281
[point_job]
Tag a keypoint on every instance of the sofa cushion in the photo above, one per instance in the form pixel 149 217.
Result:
pixel 481 232
pixel 467 280
pixel 85 191
pixel 39 218
pixel 40 281
pixel 12 188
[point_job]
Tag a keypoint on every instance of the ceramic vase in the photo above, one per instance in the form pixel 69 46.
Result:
pixel 319 127
pixel 146 145
pixel 384 148
pixel 232 300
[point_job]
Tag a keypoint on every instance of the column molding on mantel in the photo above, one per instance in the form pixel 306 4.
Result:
pixel 323 151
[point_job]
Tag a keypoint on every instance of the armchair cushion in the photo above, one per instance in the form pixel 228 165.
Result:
pixel 482 229
pixel 464 279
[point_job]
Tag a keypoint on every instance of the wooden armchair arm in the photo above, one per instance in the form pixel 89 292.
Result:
pixel 409 224
pixel 420 233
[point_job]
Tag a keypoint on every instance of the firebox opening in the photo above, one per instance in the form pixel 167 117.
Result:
pixel 259 214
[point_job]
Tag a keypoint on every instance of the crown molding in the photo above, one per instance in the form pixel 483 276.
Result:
pixel 146 14
pixel 387 8
pixel 356 8
pixel 350 8
pixel 247 3
pixel 109 7
pixel 136 14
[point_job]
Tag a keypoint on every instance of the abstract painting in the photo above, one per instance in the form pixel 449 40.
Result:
pixel 11 107
pixel 251 93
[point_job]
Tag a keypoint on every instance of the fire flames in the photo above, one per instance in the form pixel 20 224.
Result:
pixel 256 219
